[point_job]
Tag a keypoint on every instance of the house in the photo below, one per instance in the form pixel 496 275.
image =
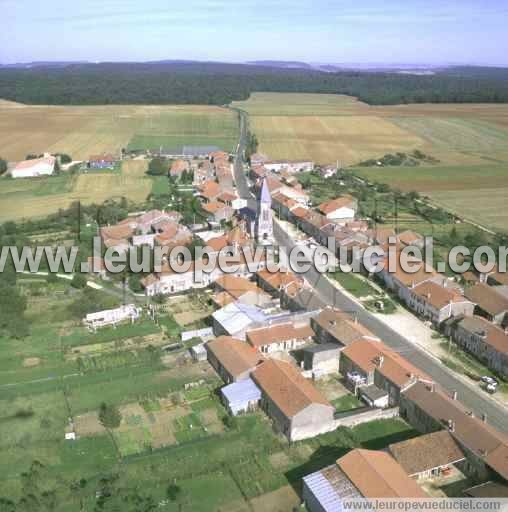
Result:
pixel 241 397
pixel 401 272
pixel 335 326
pixel 489 302
pixel 486 341
pixel 178 167
pixel 358 474
pixel 101 161
pixel 322 358
pixel 275 283
pixel 117 236
pixel 209 190
pixel 428 455
pixel 295 405
pixel 410 238
pixel 367 362
pixel 115 316
pixel 236 318
pixel 232 359
pixel 218 211
pixel 342 208
pixel 258 159
pixel 291 166
pixel 327 171
pixel 429 409
pixel 44 166
pixel 280 337
pixel 235 286
pixel 438 301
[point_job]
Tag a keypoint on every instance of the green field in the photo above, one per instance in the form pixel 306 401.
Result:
pixel 477 193
pixel 193 128
pixel 168 435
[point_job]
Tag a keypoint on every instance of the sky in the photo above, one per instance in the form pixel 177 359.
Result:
pixel 322 31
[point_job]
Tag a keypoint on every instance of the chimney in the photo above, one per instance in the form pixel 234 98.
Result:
pixel 484 417
pixel 432 387
pixel 451 426
pixel 380 361
pixel 455 395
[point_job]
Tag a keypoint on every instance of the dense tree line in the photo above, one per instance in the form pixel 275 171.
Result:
pixel 215 83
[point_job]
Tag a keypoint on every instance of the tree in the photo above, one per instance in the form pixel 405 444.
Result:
pixel 158 167
pixel 173 492
pixel 109 415
pixel 78 281
pixel 3 166
pixel 135 283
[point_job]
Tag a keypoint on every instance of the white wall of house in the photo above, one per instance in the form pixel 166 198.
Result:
pixel 38 169
pixel 343 213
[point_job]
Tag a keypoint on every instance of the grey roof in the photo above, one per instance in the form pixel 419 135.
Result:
pixel 372 392
pixel 322 347
pixel 329 486
pixel 241 392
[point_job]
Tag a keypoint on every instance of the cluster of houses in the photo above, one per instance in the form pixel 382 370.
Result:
pixel 473 311
pixel 270 359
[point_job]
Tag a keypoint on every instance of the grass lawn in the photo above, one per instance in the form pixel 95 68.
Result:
pixel 353 284
pixel 346 403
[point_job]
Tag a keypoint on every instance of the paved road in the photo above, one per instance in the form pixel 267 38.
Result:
pixel 472 397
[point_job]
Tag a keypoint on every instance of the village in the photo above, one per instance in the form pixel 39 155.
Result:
pixel 282 351
pixel 276 354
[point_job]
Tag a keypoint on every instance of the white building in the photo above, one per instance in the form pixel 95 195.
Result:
pixel 112 316
pixel 289 166
pixel 44 166
pixel 342 208
pixel 264 221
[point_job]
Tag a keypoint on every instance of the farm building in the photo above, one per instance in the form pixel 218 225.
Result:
pixel 44 166
pixel 486 341
pixel 342 208
pixel 280 337
pixel 101 161
pixel 112 316
pixel 232 359
pixel 323 358
pixel 429 409
pixel 489 302
pixel 358 474
pixel 288 166
pixel 428 455
pixel 297 408
pixel 240 397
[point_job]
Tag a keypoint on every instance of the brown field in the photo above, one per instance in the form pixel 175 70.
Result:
pixel 83 131
pixel 327 128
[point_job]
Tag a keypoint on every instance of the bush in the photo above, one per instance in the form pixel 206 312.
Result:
pixel 78 281
pixel 109 416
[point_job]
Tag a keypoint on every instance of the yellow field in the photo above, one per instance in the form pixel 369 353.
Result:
pixel 82 131
pixel 32 198
pixel 326 128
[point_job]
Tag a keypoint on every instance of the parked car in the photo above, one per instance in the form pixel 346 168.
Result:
pixel 491 388
pixel 489 380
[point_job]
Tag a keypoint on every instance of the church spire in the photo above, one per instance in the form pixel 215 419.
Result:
pixel 265 197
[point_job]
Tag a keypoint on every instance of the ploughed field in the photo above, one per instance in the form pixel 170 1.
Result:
pixel 327 128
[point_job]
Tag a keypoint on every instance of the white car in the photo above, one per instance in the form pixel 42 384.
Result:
pixel 489 380
pixel 491 388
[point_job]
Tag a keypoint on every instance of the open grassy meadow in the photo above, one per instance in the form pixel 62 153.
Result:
pixel 37 197
pixel 475 192
pixel 83 131
pixel 327 128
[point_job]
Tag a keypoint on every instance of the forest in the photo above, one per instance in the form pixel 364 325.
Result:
pixel 219 84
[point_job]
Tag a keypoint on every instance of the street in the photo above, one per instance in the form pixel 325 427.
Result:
pixel 472 398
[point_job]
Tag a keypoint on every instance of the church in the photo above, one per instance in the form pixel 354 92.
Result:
pixel 260 222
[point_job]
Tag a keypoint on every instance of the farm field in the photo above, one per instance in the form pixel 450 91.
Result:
pixel 83 131
pixel 327 128
pixel 477 193
pixel 38 197
pixel 167 434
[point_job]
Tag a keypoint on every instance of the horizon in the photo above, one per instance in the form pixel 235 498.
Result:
pixel 403 33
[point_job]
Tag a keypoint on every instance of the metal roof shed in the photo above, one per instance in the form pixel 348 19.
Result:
pixel 241 396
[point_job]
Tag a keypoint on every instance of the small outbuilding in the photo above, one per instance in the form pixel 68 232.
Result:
pixel 374 396
pixel 240 397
